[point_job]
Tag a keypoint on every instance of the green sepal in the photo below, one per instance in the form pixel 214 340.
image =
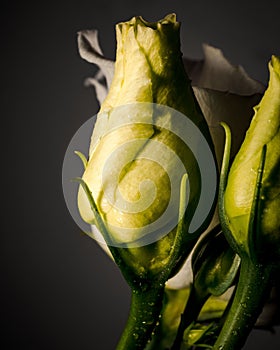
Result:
pixel 136 276
pixel 181 231
pixel 195 335
pixel 214 264
pixel 132 276
pixel 222 187
pixel 82 157
pixel 97 217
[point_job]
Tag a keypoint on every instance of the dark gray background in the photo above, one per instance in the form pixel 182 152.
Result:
pixel 58 289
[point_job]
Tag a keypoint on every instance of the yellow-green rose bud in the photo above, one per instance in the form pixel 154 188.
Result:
pixel 149 132
pixel 239 195
pixel 151 173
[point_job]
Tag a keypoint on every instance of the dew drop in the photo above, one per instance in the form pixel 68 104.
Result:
pixel 253 170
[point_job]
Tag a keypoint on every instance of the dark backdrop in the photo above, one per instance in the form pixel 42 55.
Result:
pixel 58 289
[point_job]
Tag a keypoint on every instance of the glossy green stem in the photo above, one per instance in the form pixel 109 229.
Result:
pixel 143 316
pixel 252 289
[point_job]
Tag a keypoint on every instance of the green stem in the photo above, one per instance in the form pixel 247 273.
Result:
pixel 252 289
pixel 143 316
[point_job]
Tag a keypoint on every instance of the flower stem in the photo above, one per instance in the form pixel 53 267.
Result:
pixel 143 316
pixel 252 289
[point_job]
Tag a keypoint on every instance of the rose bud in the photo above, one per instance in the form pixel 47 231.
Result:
pixel 140 147
pixel 149 184
pixel 261 148
pixel 249 202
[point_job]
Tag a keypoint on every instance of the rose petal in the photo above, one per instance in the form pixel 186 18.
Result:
pixel 99 85
pixel 230 108
pixel 90 51
pixel 217 73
